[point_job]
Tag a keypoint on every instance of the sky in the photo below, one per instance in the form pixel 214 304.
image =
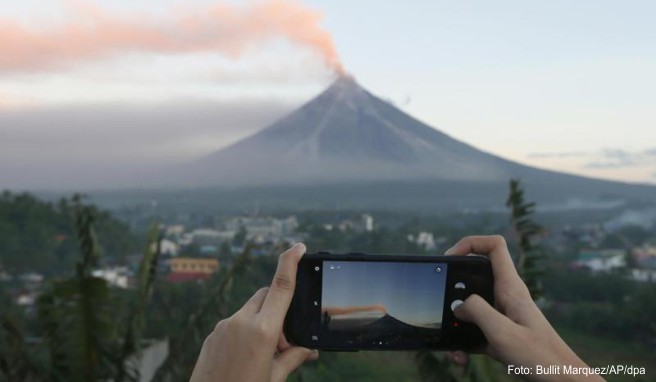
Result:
pixel 561 85
pixel 415 295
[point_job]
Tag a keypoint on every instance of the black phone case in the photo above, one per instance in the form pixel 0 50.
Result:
pixel 456 334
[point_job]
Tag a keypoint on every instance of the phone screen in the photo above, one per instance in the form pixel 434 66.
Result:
pixel 382 303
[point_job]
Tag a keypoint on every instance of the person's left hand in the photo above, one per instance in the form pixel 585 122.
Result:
pixel 250 345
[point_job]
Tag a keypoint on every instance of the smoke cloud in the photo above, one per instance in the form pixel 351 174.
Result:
pixel 93 33
pixel 10 102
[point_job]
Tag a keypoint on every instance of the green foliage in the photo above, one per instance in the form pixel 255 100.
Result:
pixel 136 318
pixel 482 368
pixel 359 366
pixel 573 286
pixel 629 318
pixel 240 237
pixel 75 313
pixel 528 254
pixel 434 368
pixel 18 362
pixel 79 319
pixel 40 236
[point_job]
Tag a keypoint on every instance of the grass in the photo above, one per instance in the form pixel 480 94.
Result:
pixel 599 351
pixel 362 367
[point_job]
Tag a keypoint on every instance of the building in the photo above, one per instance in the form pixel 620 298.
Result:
pixel 602 260
pixel 115 276
pixel 207 237
pixel 191 268
pixel 424 240
pixel 262 228
pixel 644 275
pixel 175 230
pixel 365 223
pixel 645 256
pixel 167 247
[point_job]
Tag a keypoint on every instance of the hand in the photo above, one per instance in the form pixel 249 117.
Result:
pixel 517 331
pixel 250 345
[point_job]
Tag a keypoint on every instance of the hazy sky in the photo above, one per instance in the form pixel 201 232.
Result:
pixel 410 292
pixel 557 84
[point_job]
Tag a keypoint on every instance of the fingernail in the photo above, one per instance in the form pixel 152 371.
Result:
pixel 298 245
pixel 451 250
pixel 314 355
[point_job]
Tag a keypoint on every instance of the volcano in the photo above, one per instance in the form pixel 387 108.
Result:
pixel 350 139
pixel 347 134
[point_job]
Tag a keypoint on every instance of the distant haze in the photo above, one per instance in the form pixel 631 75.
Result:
pixel 110 146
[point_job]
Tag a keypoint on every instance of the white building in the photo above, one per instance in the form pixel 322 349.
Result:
pixel 262 228
pixel 115 276
pixel 365 223
pixel 601 260
pixel 368 223
pixel 167 247
pixel 206 236
pixel 644 275
pixel 426 240
pixel 175 230
pixel 26 299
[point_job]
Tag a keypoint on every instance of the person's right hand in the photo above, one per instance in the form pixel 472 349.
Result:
pixel 517 331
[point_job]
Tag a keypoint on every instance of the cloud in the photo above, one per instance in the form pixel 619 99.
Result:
pixel 613 158
pixel 563 154
pixel 92 33
pixel 11 102
pixel 73 145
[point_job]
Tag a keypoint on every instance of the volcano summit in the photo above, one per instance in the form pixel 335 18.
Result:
pixel 347 134
pixel 346 137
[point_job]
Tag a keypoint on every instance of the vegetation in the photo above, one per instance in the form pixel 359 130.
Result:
pixel 40 236
pixel 82 329
pixel 525 230
pixel 89 332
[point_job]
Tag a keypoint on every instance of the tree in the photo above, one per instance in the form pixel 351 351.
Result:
pixel 240 237
pixel 75 312
pixel 80 320
pixel 525 229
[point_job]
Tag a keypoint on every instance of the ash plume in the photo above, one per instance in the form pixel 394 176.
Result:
pixel 94 33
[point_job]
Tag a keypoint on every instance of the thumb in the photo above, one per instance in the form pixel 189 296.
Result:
pixel 476 310
pixel 290 360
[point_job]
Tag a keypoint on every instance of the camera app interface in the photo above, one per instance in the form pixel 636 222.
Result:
pixel 382 303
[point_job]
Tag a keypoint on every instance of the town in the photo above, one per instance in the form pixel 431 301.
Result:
pixel 624 245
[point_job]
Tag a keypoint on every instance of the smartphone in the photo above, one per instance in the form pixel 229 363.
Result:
pixel 350 302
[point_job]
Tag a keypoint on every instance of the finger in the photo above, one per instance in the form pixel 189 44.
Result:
pixel 493 324
pixel 290 360
pixel 495 248
pixel 281 291
pixel 283 344
pixel 458 357
pixel 254 304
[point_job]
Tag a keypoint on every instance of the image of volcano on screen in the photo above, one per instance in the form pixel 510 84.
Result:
pixel 382 302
